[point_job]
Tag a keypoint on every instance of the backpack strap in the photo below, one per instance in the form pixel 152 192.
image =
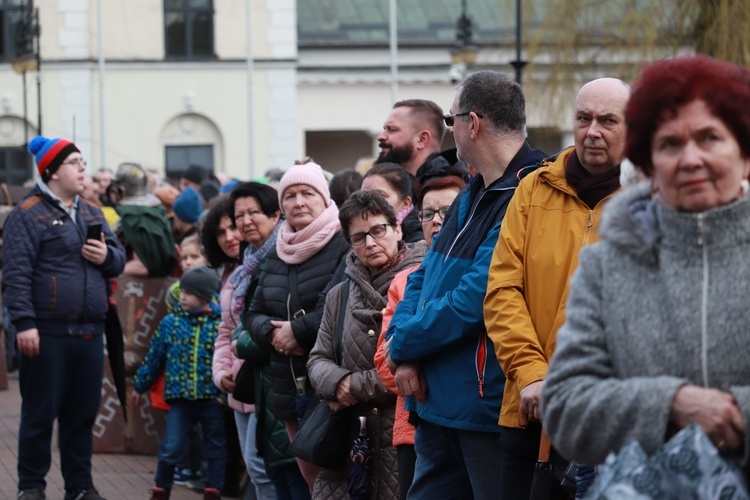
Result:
pixel 524 171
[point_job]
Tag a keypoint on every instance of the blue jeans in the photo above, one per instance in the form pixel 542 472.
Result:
pixel 247 424
pixel 183 414
pixel 407 458
pixel 455 463
pixel 289 483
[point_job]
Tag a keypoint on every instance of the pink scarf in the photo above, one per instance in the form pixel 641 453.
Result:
pixel 296 247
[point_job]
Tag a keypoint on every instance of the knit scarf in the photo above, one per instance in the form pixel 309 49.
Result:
pixel 295 247
pixel 244 274
pixel 591 188
pixel 401 214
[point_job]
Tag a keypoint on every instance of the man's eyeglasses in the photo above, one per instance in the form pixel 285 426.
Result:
pixel 75 161
pixel 449 119
pixel 376 232
pixel 427 215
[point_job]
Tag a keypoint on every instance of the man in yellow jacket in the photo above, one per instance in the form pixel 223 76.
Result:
pixel 553 213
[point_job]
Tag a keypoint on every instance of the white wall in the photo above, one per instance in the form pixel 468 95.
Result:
pixel 292 91
pixel 143 94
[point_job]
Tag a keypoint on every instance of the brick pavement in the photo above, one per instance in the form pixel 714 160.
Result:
pixel 125 477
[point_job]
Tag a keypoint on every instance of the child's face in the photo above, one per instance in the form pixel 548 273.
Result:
pixel 191 257
pixel 191 302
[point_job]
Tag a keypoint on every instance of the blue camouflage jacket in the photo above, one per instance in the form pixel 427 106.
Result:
pixel 183 346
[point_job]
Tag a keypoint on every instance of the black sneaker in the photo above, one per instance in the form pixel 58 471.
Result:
pixel 88 494
pixel 35 494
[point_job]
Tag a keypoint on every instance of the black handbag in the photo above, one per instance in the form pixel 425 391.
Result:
pixel 554 476
pixel 244 384
pixel 325 437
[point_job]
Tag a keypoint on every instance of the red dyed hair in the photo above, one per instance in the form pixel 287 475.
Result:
pixel 442 182
pixel 666 86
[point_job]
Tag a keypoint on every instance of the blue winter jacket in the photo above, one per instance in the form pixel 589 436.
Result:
pixel 183 346
pixel 47 284
pixel 440 323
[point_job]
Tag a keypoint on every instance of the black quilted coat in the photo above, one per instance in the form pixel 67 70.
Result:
pixel 273 301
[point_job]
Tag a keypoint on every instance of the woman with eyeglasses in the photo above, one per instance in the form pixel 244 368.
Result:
pixel 436 197
pixel 400 189
pixel 378 254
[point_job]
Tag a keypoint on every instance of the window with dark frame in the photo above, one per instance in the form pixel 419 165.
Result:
pixel 12 15
pixel 178 158
pixel 189 29
pixel 15 165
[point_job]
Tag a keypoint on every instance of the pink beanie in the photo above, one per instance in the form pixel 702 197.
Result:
pixel 307 173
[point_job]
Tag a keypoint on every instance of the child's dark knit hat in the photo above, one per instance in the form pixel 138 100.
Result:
pixel 201 281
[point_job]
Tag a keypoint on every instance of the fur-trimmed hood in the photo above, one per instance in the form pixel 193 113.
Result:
pixel 629 221
pixel 640 224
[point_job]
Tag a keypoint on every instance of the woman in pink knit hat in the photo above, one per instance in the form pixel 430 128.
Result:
pixel 281 316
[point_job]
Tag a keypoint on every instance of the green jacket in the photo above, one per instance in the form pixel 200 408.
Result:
pixel 272 439
pixel 148 233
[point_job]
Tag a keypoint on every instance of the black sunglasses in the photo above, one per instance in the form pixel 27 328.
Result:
pixel 449 119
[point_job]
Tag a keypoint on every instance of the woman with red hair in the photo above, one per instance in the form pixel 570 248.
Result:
pixel 657 319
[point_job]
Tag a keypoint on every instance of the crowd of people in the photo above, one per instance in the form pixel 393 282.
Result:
pixel 458 305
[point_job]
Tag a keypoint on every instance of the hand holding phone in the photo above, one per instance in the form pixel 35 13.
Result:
pixel 94 232
pixel 94 251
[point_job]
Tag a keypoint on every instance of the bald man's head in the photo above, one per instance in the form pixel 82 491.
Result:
pixel 599 124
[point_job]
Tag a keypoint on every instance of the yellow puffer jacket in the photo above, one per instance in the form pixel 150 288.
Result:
pixel 544 229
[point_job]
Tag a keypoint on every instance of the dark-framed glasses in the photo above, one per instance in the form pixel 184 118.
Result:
pixel 427 215
pixel 75 161
pixel 376 232
pixel 450 119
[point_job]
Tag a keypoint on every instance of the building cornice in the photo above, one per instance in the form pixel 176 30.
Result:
pixel 115 64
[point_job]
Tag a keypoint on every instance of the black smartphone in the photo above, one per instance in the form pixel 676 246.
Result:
pixel 94 232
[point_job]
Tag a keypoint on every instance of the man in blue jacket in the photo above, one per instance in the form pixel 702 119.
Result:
pixel 58 253
pixel 439 325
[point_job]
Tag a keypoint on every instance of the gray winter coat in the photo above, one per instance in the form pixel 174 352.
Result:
pixel 362 322
pixel 662 301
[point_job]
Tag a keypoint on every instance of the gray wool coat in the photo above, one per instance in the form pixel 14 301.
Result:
pixel 362 322
pixel 662 301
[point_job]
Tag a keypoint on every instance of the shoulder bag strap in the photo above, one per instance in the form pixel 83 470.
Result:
pixel 338 337
pixel 295 307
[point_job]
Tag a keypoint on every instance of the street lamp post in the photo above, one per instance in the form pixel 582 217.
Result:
pixel 519 63
pixel 28 59
pixel 465 53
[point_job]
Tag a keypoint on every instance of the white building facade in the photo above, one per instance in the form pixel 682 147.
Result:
pixel 175 85
pixel 174 88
